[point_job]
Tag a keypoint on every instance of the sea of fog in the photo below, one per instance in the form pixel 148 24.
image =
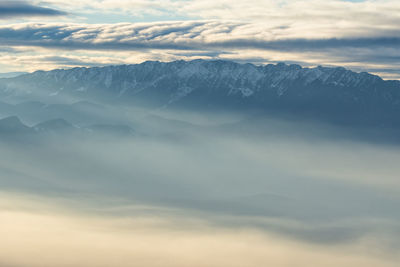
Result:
pixel 190 189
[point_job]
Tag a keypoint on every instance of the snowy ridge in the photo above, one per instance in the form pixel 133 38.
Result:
pixel 320 92
pixel 241 78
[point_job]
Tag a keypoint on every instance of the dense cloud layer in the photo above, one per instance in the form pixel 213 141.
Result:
pixel 191 39
pixel 360 35
pixel 188 35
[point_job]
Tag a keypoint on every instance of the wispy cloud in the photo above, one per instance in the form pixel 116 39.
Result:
pixel 75 239
pixel 24 9
pixel 339 209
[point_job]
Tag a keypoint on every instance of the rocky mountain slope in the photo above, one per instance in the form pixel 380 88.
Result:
pixel 330 94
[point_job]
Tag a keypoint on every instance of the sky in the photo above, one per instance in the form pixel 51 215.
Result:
pixel 359 35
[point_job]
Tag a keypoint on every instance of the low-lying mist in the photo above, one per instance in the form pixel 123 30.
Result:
pixel 178 190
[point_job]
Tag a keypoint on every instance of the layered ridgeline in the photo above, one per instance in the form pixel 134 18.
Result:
pixel 12 126
pixel 333 95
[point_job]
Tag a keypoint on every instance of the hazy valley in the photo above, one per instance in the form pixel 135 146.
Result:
pixel 304 156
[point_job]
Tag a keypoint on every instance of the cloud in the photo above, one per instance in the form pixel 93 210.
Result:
pixel 306 17
pixel 362 36
pixel 153 237
pixel 240 41
pixel 188 35
pixel 310 32
pixel 10 9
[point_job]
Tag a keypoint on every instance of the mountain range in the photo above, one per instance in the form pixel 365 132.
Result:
pixel 333 95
